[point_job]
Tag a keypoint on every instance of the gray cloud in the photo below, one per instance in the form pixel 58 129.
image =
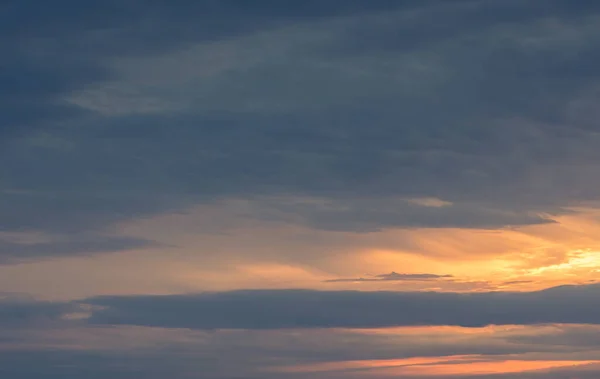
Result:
pixel 75 364
pixel 393 276
pixel 51 51
pixel 38 341
pixel 126 351
pixel 13 252
pixel 570 337
pixel 158 365
pixel 487 105
pixel 18 311
pixel 275 309
pixel 373 214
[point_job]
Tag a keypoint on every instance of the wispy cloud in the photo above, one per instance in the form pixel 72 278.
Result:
pixel 393 276
pixel 430 202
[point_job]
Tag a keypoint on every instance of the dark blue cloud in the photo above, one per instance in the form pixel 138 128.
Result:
pixel 11 252
pixel 38 342
pixel 52 50
pixel 276 309
pixel 18 312
pixel 486 104
pixel 63 17
pixel 73 364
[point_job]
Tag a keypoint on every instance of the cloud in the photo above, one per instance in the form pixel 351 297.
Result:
pixel 123 351
pixel 61 246
pixel 444 366
pixel 370 214
pixel 49 345
pixel 393 276
pixel 18 312
pixel 567 336
pixel 52 51
pixel 430 202
pixel 276 309
pixel 327 119
pixel 512 282
pixel 107 119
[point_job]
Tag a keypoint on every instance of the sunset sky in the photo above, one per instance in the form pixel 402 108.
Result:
pixel 323 189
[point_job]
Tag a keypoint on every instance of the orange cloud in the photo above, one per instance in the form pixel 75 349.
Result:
pixel 220 247
pixel 436 366
pixel 367 364
pixel 482 368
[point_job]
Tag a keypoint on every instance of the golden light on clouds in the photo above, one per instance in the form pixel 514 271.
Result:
pixel 369 364
pixel 435 366
pixel 263 254
pixel 241 253
pixel 481 368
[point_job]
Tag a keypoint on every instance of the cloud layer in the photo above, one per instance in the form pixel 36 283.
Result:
pixel 490 108
pixel 276 309
pixel 173 172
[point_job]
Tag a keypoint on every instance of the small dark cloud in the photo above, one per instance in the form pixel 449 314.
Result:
pixel 68 245
pixel 511 282
pixel 18 312
pixel 393 276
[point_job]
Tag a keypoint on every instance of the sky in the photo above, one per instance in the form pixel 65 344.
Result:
pixel 266 189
